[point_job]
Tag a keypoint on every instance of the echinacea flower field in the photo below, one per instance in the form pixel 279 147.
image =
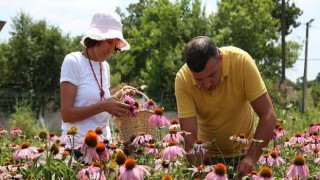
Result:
pixel 46 155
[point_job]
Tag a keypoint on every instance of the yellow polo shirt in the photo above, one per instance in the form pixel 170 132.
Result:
pixel 226 110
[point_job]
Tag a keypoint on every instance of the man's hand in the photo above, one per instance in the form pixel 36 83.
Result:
pixel 245 167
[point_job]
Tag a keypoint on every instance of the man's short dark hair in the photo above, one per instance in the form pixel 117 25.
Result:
pixel 198 51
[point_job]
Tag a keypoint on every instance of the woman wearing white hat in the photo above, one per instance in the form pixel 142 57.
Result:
pixel 85 78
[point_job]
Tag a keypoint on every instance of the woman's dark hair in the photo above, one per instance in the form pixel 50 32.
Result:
pixel 89 43
pixel 198 51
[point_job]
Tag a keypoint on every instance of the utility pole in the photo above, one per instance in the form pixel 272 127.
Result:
pixel 2 23
pixel 283 45
pixel 305 69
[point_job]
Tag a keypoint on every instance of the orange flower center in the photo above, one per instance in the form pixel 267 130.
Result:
pixel 172 143
pixel 173 131
pixel 299 160
pixel 130 163
pixel 158 111
pixel 25 145
pixel 265 172
pixel 220 169
pixel 100 147
pixel 242 135
pixel 174 121
pixel 297 134
pixel 91 139
pixel 274 154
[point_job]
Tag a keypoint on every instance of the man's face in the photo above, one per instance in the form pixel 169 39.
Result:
pixel 209 77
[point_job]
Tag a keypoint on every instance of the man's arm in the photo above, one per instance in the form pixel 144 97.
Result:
pixel 267 120
pixel 190 125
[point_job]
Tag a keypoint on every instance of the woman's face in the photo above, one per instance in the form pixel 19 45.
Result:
pixel 105 48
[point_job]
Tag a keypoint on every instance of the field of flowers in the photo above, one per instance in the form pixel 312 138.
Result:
pixel 290 155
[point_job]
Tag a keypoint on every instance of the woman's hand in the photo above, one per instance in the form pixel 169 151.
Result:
pixel 115 107
pixel 126 90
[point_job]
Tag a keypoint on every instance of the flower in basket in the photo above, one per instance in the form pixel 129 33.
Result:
pixel 158 119
pixel 134 105
pixel 150 105
pixel 131 171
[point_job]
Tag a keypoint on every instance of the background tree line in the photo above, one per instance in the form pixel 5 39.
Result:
pixel 158 31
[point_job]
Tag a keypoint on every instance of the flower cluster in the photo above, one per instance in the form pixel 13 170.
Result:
pixel 47 155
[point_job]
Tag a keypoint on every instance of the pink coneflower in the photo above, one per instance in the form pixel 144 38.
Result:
pixel 173 135
pixel 25 152
pixel 158 119
pixel 199 171
pixel 89 148
pixel 198 148
pixel 53 137
pixel 174 124
pixel 265 158
pixel 277 159
pixel 99 132
pixel 167 177
pixel 102 152
pixel 298 169
pixel 243 139
pixel 150 105
pixel 141 140
pixel 92 172
pixel 313 127
pixel 3 131
pixel 152 149
pixel 133 105
pixel 173 151
pixel 71 140
pixel 14 147
pixel 287 142
pixel 297 139
pixel 305 134
pixel 219 172
pixel 311 145
pixel 264 174
pixel 278 133
pixel 11 175
pixel 131 171
pixel 16 131
pixel 239 138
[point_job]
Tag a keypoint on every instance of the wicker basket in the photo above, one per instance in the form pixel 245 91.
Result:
pixel 132 126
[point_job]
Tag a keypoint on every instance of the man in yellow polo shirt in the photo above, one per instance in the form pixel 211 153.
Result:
pixel 218 91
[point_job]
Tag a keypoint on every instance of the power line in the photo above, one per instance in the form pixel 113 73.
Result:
pixel 309 59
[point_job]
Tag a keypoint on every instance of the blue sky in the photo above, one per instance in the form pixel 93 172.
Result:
pixel 73 17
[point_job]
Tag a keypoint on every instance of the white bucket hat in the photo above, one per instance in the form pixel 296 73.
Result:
pixel 106 25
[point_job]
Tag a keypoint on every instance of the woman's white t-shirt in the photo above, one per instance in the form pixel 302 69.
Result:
pixel 76 69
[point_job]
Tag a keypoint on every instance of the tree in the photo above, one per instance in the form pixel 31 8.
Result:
pixel 157 42
pixel 251 25
pixel 34 56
